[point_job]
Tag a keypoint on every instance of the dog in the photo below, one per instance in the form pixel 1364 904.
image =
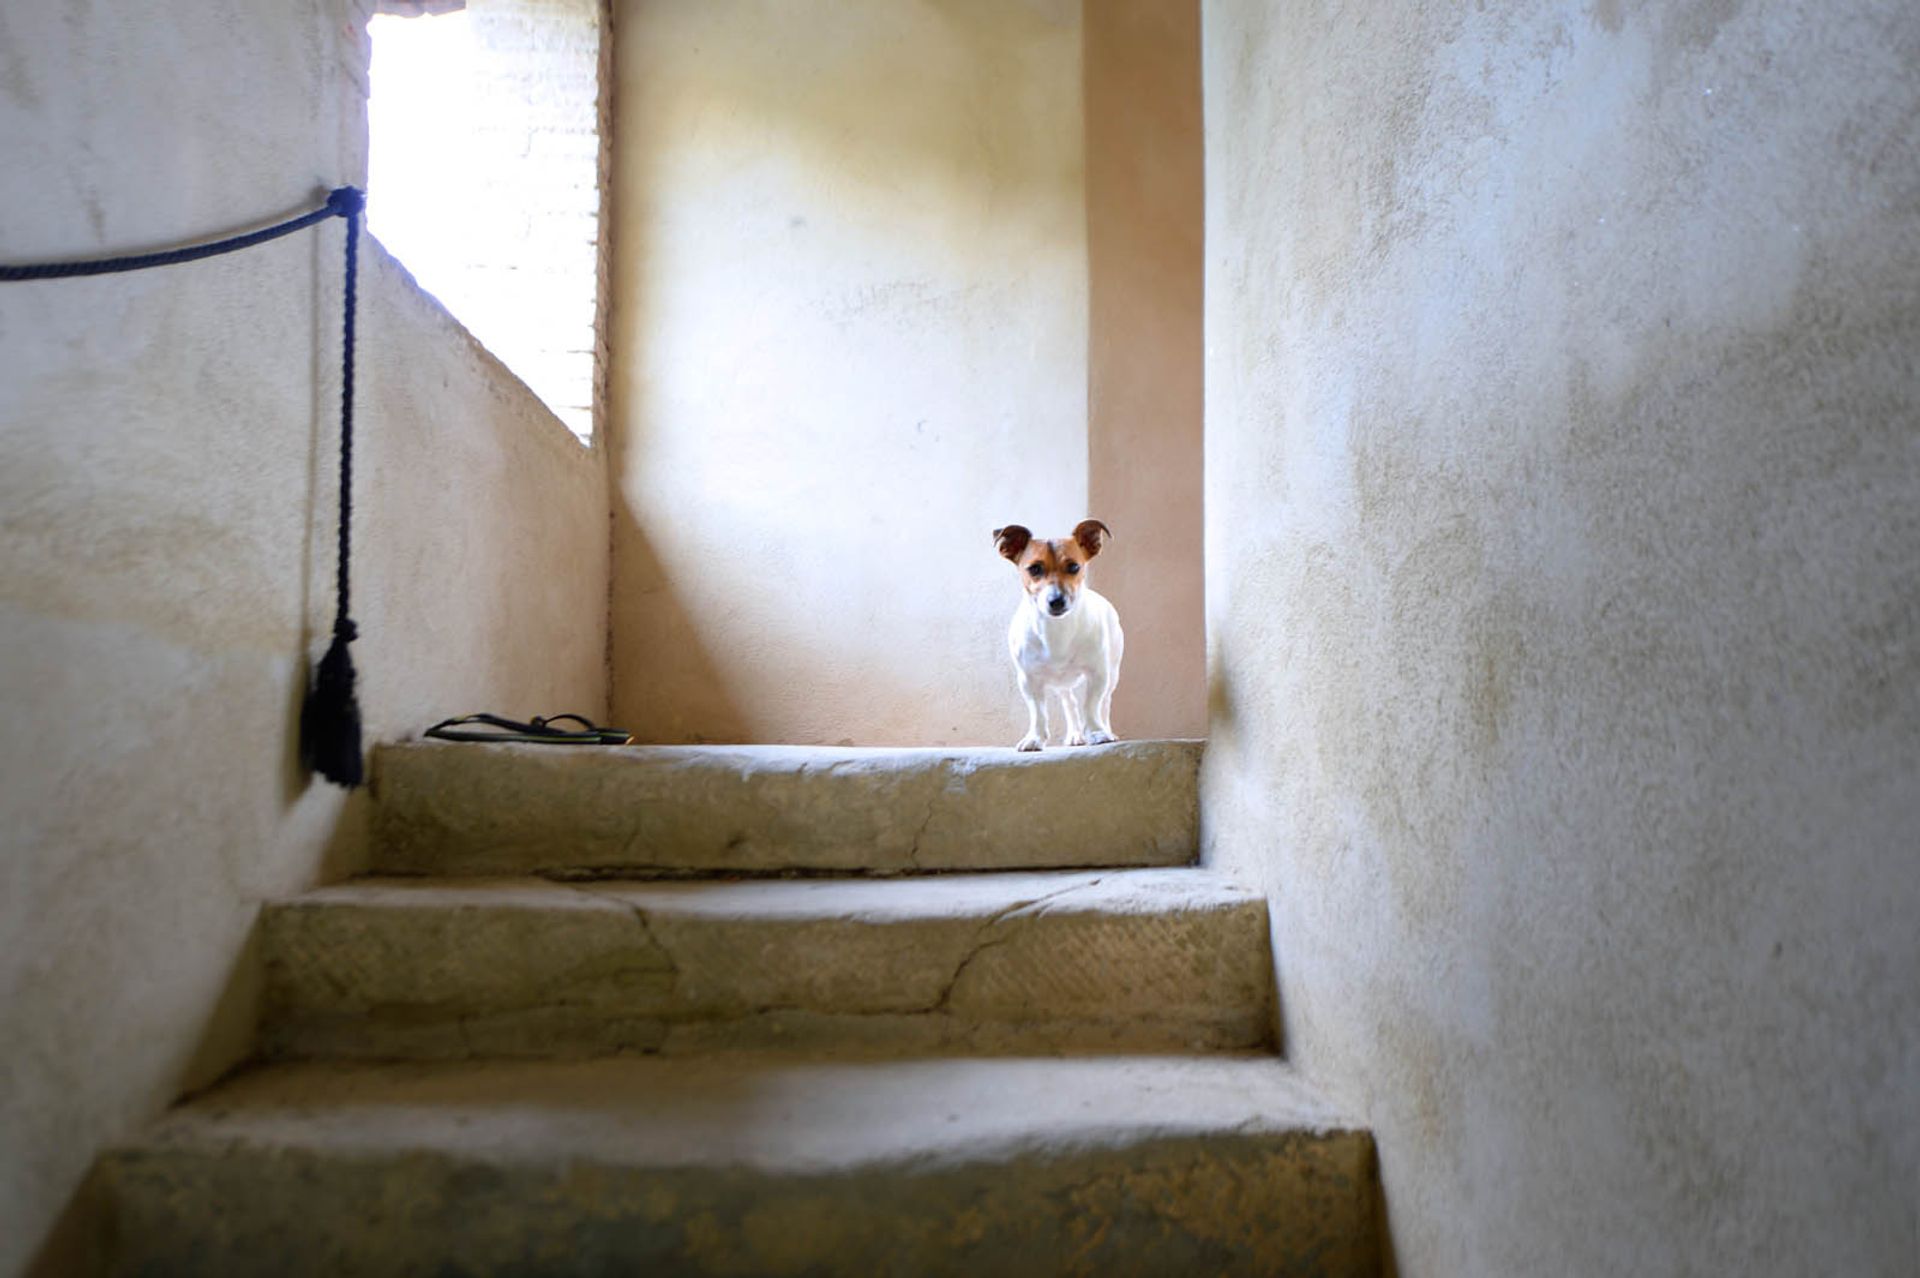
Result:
pixel 1065 637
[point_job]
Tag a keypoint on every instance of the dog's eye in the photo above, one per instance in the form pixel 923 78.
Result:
pixel 1035 570
pixel 1072 567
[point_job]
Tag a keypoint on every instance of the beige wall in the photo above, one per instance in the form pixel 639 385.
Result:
pixel 1563 458
pixel 850 325
pixel 166 508
pixel 851 335
pixel 1145 218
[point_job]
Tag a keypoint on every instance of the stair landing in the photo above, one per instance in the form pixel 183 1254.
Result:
pixel 445 808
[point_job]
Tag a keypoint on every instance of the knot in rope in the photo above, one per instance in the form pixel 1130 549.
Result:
pixel 346 201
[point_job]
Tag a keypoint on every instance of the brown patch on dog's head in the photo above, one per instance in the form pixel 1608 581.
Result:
pixel 1052 572
pixel 1011 541
pixel 1091 535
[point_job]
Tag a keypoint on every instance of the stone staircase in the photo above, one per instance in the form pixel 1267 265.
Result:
pixel 761 1010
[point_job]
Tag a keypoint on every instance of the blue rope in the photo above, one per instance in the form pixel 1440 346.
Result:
pixel 350 202
pixel 330 720
pixel 344 202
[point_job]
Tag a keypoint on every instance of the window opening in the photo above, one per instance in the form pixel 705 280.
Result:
pixel 484 176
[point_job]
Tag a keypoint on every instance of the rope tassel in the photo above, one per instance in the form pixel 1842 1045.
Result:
pixel 330 719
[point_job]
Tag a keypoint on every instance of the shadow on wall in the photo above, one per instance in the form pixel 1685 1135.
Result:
pixel 665 649
pixel 80 1240
pixel 1145 265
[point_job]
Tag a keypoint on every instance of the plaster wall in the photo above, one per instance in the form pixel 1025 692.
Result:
pixel 1563 528
pixel 850 341
pixel 167 471
pixel 1145 218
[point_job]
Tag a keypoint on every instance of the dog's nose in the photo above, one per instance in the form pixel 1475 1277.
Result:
pixel 1056 604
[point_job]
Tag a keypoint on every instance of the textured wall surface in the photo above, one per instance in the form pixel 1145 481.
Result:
pixel 1563 526
pixel 1145 217
pixel 850 341
pixel 166 512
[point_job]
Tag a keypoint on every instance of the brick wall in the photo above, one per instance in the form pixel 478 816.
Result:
pixel 500 123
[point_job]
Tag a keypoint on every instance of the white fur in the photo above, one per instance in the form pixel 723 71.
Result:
pixel 1074 657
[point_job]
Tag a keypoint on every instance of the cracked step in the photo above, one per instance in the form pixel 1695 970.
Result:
pixel 1129 960
pixel 736 1165
pixel 444 808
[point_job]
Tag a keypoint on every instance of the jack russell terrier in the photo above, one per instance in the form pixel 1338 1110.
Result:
pixel 1065 638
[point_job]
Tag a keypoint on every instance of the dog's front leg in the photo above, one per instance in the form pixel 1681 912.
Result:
pixel 1098 697
pixel 1073 715
pixel 1036 731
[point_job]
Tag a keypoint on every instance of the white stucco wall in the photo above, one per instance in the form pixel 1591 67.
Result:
pixel 166 513
pixel 850 341
pixel 1563 469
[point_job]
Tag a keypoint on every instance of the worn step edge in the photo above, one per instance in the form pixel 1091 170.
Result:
pixel 1130 960
pixel 736 1165
pixel 446 808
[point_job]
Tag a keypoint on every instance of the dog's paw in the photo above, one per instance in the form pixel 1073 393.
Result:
pixel 1077 739
pixel 1028 743
pixel 1100 738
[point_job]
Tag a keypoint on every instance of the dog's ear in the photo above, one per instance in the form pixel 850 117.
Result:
pixel 1091 534
pixel 1011 540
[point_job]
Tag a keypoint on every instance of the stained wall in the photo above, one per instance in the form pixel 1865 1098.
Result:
pixel 1563 529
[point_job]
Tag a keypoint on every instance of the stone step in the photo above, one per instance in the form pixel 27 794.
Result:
pixel 444 808
pixel 1128 960
pixel 732 1165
